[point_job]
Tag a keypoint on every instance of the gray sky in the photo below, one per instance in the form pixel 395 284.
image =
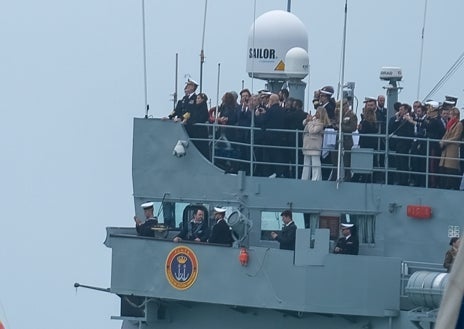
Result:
pixel 72 80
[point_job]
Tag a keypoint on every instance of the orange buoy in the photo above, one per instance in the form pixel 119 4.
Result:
pixel 243 257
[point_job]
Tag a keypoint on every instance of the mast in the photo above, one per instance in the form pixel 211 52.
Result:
pixel 202 53
pixel 340 99
pixel 289 5
pixel 421 52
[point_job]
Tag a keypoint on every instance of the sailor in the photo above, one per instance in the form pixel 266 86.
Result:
pixel 195 230
pixel 220 234
pixel 451 101
pixel 323 97
pixel 348 244
pixel 187 104
pixel 145 228
pixel 288 235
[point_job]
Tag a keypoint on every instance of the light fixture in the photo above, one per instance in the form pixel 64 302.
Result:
pixel 179 149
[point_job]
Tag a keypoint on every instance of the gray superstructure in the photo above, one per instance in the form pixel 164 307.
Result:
pixel 396 281
pixel 311 287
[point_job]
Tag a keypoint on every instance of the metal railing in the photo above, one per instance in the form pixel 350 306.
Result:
pixel 234 148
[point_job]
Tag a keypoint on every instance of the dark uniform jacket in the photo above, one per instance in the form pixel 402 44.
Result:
pixel 184 107
pixel 221 234
pixel 145 229
pixel 348 246
pixel 287 237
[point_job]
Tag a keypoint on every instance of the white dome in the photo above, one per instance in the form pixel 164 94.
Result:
pixel 296 63
pixel 269 39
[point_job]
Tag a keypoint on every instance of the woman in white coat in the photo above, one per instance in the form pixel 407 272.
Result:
pixel 312 143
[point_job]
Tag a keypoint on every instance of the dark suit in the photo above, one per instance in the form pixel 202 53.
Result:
pixel 402 128
pixel 348 246
pixel 287 237
pixel 145 228
pixel 274 118
pixel 193 230
pixel 221 234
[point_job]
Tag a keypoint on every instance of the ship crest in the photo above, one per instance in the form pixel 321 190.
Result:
pixel 181 268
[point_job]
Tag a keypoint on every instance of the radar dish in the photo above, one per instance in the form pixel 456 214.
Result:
pixel 271 36
pixel 296 63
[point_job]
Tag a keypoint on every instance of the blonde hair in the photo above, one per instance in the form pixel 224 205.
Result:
pixel 323 117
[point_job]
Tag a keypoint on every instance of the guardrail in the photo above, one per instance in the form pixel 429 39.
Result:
pixel 254 150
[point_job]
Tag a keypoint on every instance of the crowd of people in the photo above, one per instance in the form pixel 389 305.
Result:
pixel 423 140
pixel 197 230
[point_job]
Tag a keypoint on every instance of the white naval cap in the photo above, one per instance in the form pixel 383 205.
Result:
pixel 327 90
pixel 191 82
pixel 347 225
pixel 147 205
pixel 369 99
pixel 433 104
pixel 220 209
pixel 264 92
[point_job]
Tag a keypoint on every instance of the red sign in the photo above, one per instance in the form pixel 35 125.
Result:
pixel 421 212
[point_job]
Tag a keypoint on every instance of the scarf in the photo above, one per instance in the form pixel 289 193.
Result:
pixel 451 123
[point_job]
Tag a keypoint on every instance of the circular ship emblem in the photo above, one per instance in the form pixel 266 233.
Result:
pixel 181 268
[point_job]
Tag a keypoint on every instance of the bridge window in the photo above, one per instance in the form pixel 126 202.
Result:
pixel 365 225
pixel 366 228
pixel 170 213
pixel 271 221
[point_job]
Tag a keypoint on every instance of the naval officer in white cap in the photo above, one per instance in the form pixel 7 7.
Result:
pixel 187 104
pixel 348 244
pixel 220 233
pixel 145 228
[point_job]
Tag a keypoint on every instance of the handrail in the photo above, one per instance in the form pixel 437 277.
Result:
pixel 293 152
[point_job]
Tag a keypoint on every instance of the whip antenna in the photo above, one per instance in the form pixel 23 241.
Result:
pixel 202 53
pixel 422 51
pixel 147 107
